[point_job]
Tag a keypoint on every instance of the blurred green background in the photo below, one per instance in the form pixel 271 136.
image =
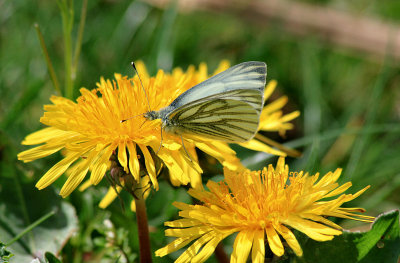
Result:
pixel 349 101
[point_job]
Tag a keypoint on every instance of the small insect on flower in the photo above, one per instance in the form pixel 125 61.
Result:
pixel 225 107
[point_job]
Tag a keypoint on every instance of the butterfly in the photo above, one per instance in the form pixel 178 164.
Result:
pixel 225 107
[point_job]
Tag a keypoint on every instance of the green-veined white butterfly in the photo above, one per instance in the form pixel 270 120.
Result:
pixel 225 107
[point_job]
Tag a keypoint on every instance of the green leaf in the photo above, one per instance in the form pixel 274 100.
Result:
pixel 50 258
pixel 44 219
pixel 380 244
pixel 160 208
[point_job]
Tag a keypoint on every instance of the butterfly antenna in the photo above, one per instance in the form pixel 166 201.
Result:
pixel 141 83
pixel 121 121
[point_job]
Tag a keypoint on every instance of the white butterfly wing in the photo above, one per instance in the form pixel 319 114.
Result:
pixel 221 117
pixel 247 75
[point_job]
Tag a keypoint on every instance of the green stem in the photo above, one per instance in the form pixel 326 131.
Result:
pixel 25 214
pixel 30 227
pixel 50 68
pixel 143 230
pixel 78 44
pixel 67 14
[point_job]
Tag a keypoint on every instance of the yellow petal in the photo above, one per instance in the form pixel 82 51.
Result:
pixel 77 174
pixel 339 190
pixel 182 223
pixel 261 147
pixel 122 158
pixel 109 197
pixel 290 239
pixel 242 246
pixel 174 246
pixel 320 219
pixel 194 248
pixel 274 241
pixel 43 135
pixel 290 116
pixel 274 106
pixel 140 66
pixel 74 180
pixel 150 167
pixel 220 151
pixel 100 166
pixel 223 65
pixel 208 249
pixel 57 170
pixel 175 170
pixel 188 168
pixel 134 165
pixel 314 230
pixel 269 89
pixel 85 186
pixel 258 250
pixel 133 206
pixel 192 231
pixel 39 152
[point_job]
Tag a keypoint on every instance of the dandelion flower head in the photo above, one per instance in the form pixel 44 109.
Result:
pixel 261 207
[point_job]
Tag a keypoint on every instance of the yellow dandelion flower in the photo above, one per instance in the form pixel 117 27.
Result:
pixel 90 131
pixel 260 206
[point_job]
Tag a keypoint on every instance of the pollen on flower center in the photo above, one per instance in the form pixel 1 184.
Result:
pixel 263 224
pixel 249 189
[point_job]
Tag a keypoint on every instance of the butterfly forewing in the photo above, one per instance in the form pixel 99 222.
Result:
pixel 252 97
pixel 248 75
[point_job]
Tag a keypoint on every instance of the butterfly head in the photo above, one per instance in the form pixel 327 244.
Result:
pixel 160 114
pixel 154 115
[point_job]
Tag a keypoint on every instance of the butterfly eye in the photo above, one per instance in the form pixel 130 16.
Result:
pixel 150 115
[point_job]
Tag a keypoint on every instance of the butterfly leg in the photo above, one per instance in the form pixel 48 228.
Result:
pixel 159 148
pixel 142 124
pixel 185 149
pixel 112 184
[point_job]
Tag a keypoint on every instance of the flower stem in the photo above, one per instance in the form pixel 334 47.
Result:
pixel 143 230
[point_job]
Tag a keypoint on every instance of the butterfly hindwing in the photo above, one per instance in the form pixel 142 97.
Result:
pixel 232 116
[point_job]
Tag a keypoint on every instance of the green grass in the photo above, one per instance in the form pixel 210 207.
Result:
pixel 342 95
